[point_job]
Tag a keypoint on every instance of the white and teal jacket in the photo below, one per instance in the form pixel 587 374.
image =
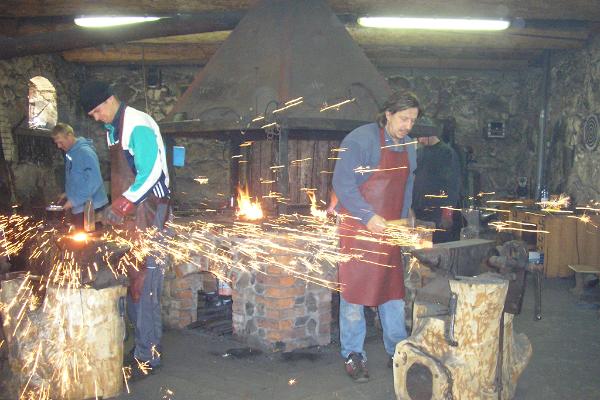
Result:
pixel 144 150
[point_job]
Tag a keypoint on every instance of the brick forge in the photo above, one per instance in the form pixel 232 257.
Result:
pixel 275 311
pixel 272 309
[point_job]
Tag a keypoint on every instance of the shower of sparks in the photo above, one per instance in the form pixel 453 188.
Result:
pixel 441 195
pixel 305 247
pixel 166 393
pixel 297 162
pixel 494 210
pixel 289 104
pixel 337 105
pixel 247 143
pixel 325 172
pixel 556 205
pixel 586 219
pixel 504 201
pixel 259 118
pixel 268 125
pixel 510 226
pixel 399 144
pixel 203 180
pixel 365 170
pixel 237 156
pixel 339 150
pixel 292 381
pixel 481 194
pixel 276 167
pixel 297 99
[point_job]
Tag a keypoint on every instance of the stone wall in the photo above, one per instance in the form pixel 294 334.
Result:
pixel 35 182
pixel 574 95
pixel 474 98
pixel 471 98
pixel 207 158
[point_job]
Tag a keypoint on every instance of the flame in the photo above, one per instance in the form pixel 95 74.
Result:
pixel 247 209
pixel 314 211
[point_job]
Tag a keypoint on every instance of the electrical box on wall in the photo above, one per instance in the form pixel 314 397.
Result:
pixel 496 130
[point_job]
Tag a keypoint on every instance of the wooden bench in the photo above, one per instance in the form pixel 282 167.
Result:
pixel 580 272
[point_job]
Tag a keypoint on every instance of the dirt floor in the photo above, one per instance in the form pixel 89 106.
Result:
pixel 564 365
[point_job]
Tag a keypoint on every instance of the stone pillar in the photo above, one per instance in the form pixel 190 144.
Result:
pixel 277 311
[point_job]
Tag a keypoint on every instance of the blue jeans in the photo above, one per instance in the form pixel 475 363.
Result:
pixel 353 327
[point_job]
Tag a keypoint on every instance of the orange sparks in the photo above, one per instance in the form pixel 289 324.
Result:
pixel 337 105
pixel 364 170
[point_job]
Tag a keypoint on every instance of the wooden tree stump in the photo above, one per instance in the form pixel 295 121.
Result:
pixel 466 371
pixel 70 346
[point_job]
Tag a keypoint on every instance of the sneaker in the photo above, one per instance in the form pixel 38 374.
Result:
pixel 356 368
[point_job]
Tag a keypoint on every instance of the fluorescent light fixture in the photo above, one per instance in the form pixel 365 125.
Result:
pixel 440 24
pixel 105 21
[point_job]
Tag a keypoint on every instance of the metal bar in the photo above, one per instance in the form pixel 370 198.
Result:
pixel 284 177
pixel 543 125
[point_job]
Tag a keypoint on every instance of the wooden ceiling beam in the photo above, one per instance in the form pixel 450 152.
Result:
pixel 137 53
pixel 54 42
pixel 582 10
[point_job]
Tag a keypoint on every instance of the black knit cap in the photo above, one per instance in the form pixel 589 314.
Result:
pixel 94 93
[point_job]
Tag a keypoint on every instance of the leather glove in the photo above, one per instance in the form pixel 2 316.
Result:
pixel 118 210
pixel 110 217
pixel 122 207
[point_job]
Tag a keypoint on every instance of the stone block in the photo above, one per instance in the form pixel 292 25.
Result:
pixel 183 270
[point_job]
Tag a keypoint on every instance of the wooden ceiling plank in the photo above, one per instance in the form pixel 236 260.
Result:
pixel 583 10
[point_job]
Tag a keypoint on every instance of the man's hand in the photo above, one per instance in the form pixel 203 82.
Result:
pixel 61 199
pixel 376 224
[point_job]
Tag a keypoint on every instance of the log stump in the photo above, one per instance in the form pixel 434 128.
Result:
pixel 466 371
pixel 68 347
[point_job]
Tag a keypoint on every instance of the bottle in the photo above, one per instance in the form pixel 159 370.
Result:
pixel 89 217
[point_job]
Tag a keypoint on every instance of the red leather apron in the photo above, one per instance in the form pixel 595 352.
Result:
pixel 378 276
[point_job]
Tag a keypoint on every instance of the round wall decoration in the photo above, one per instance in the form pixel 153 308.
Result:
pixel 591 132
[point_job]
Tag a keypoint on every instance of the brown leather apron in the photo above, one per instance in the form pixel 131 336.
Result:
pixel 378 275
pixel 121 178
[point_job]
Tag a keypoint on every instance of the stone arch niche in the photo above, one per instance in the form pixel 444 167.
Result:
pixel 43 112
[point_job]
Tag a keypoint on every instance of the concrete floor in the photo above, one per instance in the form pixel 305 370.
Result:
pixel 564 365
pixel 565 362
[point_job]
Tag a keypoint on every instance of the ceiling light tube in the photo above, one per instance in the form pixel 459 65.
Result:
pixel 106 21
pixel 462 24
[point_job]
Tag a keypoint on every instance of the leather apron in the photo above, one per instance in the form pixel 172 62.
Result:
pixel 121 178
pixel 378 275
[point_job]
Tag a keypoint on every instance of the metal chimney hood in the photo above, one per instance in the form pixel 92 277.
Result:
pixel 281 51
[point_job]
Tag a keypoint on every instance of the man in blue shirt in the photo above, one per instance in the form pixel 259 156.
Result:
pixel 373 181
pixel 83 180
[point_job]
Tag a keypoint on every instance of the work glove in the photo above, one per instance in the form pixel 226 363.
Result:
pixel 122 207
pixel 118 210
